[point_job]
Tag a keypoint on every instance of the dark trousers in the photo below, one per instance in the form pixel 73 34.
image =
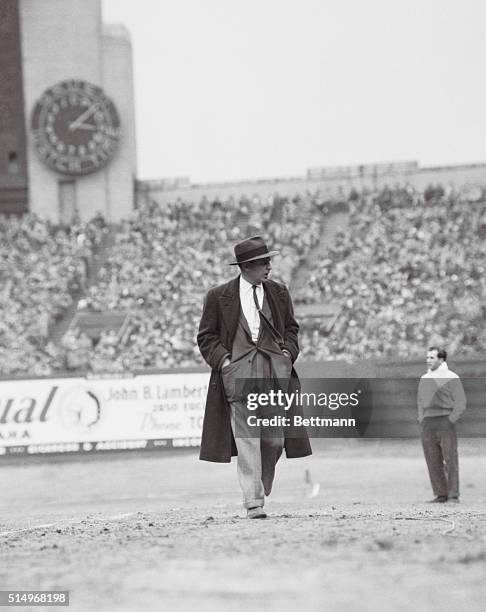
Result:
pixel 439 441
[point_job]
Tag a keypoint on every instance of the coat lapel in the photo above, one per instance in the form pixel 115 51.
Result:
pixel 230 305
pixel 276 300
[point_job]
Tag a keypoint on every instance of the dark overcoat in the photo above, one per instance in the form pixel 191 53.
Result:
pixel 217 330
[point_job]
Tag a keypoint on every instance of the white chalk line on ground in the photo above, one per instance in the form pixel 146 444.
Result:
pixel 450 522
pixel 114 517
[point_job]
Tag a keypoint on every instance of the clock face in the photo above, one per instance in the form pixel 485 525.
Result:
pixel 76 128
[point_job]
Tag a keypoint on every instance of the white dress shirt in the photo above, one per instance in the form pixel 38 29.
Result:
pixel 248 306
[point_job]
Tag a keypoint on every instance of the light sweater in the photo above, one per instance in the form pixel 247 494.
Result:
pixel 440 393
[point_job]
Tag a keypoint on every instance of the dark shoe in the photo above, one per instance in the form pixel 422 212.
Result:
pixel 256 513
pixel 453 500
pixel 440 499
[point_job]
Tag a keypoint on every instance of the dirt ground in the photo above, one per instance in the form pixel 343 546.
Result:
pixel 167 532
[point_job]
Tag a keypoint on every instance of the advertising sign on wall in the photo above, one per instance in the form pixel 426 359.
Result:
pixel 90 414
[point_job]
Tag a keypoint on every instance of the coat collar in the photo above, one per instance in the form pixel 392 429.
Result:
pixel 231 290
pixel 230 301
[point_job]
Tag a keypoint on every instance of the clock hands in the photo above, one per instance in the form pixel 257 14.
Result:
pixel 83 126
pixel 79 122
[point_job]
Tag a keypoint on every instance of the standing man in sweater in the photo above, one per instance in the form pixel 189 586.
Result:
pixel 441 401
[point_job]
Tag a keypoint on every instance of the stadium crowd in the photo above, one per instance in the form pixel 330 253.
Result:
pixel 164 260
pixel 43 268
pixel 407 270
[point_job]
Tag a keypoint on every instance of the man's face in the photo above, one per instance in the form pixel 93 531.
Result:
pixel 258 271
pixel 433 362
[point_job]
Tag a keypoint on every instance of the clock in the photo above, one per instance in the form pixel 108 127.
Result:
pixel 76 128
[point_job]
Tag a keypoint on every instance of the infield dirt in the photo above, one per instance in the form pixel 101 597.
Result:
pixel 167 532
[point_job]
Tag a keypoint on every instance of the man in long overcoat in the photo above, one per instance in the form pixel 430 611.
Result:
pixel 248 332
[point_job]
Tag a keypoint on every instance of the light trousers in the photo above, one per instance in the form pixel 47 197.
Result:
pixel 258 453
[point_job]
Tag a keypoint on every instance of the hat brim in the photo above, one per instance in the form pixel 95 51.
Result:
pixel 264 256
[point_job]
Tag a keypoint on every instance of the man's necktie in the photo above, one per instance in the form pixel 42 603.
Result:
pixel 255 298
pixel 265 319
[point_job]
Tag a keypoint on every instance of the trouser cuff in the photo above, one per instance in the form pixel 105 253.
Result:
pixel 254 503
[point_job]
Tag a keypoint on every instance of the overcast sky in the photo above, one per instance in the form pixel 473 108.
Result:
pixel 233 89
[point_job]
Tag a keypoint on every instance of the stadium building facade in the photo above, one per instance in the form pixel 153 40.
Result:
pixel 67 136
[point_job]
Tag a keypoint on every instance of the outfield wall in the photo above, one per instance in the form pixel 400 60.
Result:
pixel 164 409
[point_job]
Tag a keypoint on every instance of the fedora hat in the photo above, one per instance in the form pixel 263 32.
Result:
pixel 251 249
